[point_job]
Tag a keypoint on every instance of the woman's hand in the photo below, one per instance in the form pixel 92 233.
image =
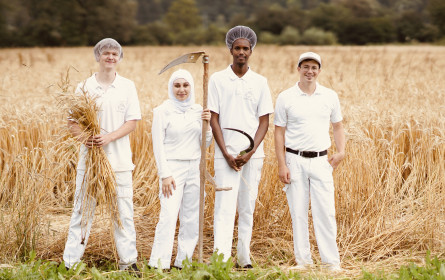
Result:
pixel 205 116
pixel 168 185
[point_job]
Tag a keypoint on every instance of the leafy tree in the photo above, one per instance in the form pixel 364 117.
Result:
pixel 275 18
pixel 316 36
pixel 272 19
pixel 151 10
pixel 409 5
pixel 409 26
pixel 436 9
pixel 109 18
pixel 182 15
pixel 330 17
pixel 290 36
pixel 363 8
pixel 362 31
pixel 4 36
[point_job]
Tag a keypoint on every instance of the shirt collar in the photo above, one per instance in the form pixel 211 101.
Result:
pixel 114 84
pixel 233 76
pixel 316 92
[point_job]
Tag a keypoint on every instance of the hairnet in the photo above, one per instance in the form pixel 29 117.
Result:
pixel 107 43
pixel 238 32
pixel 182 74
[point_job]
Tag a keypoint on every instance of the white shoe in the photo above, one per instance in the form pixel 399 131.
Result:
pixel 298 268
pixel 334 268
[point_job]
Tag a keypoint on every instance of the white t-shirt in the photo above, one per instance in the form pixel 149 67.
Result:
pixel 239 102
pixel 117 105
pixel 176 135
pixel 307 117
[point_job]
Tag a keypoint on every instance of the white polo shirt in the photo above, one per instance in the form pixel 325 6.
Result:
pixel 176 135
pixel 117 105
pixel 307 117
pixel 239 102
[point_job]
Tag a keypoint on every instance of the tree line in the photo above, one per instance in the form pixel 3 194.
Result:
pixel 199 22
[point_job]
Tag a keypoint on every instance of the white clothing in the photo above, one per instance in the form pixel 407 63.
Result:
pixel 307 117
pixel 239 102
pixel 176 135
pixel 124 238
pixel 243 195
pixel 311 179
pixel 118 104
pixel 185 200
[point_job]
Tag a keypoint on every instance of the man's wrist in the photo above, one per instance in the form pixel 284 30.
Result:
pixel 342 154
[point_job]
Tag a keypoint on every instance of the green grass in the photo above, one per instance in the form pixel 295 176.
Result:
pixel 33 268
pixel 433 269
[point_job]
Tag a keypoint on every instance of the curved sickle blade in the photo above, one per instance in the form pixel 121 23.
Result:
pixel 186 58
pixel 252 143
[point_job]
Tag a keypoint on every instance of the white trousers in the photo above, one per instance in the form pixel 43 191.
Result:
pixel 311 180
pixel 185 200
pixel 243 195
pixel 125 238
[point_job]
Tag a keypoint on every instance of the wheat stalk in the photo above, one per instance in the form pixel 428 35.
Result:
pixel 99 182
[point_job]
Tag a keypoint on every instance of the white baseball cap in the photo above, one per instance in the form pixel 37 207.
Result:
pixel 309 55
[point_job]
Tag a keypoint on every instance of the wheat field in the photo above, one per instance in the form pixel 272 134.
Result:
pixel 390 189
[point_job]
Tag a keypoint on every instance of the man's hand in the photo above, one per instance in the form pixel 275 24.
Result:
pixel 243 159
pixel 335 159
pixel 168 185
pixel 98 140
pixel 231 161
pixel 284 174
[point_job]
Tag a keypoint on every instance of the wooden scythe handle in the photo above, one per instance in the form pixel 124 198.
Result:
pixel 202 165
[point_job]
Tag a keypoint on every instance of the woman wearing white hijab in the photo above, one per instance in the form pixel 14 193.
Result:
pixel 176 133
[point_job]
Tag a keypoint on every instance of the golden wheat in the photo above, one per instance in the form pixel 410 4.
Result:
pixel 390 189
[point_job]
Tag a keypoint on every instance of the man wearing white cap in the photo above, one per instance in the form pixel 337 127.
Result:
pixel 302 116
pixel 238 98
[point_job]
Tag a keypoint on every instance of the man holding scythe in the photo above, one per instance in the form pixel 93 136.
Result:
pixel 240 101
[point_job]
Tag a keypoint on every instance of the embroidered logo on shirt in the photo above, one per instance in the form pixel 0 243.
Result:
pixel 121 106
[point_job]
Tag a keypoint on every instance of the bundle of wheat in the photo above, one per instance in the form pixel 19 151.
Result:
pixel 99 182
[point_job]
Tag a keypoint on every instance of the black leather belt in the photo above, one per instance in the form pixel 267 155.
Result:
pixel 307 154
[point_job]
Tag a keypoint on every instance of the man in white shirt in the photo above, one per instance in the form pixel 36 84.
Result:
pixel 302 117
pixel 238 98
pixel 119 111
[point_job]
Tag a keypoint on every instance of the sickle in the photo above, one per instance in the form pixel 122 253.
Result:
pixel 252 143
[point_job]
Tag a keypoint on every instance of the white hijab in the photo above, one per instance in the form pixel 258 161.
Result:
pixel 186 104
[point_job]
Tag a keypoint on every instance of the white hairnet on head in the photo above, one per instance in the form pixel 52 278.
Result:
pixel 238 32
pixel 182 74
pixel 107 43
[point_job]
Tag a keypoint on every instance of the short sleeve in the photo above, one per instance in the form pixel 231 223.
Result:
pixel 213 98
pixel 280 118
pixel 336 115
pixel 265 105
pixel 133 109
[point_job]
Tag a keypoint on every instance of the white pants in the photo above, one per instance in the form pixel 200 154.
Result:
pixel 244 192
pixel 125 238
pixel 311 179
pixel 185 200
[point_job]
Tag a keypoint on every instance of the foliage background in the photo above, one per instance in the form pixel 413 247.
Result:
pixel 198 22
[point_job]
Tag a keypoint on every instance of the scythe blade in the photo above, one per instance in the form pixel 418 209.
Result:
pixel 186 58
pixel 252 143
